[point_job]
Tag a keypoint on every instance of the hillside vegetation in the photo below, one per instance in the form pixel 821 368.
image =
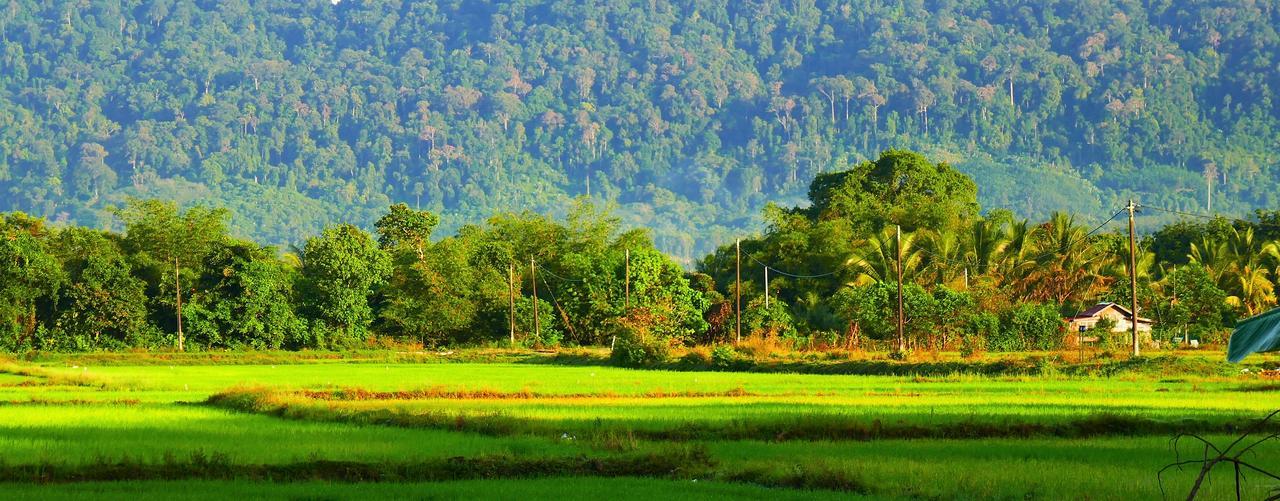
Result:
pixel 688 114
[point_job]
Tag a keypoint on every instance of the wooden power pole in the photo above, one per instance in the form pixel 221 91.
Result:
pixel 627 303
pixel 902 339
pixel 533 274
pixel 511 299
pixel 177 288
pixel 737 295
pixel 1133 275
pixel 766 287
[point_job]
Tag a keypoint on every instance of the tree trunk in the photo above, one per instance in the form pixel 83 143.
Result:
pixel 177 288
pixel 31 320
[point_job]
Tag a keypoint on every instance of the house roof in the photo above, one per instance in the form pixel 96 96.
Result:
pixel 1097 310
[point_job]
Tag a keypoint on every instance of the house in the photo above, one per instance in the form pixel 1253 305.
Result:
pixel 1089 318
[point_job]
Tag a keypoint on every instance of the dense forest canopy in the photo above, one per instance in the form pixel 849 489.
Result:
pixel 689 115
pixel 177 278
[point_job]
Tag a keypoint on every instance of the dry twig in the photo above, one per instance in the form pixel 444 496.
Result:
pixel 1213 456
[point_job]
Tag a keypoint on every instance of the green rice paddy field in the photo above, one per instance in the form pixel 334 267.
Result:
pixel 340 430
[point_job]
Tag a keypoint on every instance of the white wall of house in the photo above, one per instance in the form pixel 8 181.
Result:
pixel 1121 322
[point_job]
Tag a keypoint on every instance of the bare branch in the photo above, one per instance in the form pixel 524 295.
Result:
pixel 1229 454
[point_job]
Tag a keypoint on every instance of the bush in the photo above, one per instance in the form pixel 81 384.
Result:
pixel 824 340
pixel 724 357
pixel 978 331
pixel 972 347
pixel 637 348
pixel 698 356
pixel 1029 326
pixel 772 322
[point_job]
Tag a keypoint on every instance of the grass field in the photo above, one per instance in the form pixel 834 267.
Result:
pixel 337 429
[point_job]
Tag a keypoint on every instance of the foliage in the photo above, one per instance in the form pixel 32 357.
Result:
pixel 403 227
pixel 1196 303
pixel 247 301
pixel 980 328
pixel 298 113
pixel 772 322
pixel 1029 327
pixel 637 346
pixel 900 188
pixel 28 272
pixel 724 357
pixel 340 269
pixel 103 305
pixel 167 244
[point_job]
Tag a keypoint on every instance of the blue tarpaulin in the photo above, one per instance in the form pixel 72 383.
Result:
pixel 1255 335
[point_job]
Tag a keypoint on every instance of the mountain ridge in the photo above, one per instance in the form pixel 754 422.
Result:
pixel 689 116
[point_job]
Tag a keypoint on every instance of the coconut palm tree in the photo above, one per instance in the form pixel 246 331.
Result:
pixel 1238 264
pixel 944 255
pixel 1014 259
pixel 1065 263
pixel 988 240
pixel 1215 256
pixel 876 259
pixel 1253 291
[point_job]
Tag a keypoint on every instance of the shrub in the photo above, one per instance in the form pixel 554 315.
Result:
pixel 972 347
pixel 978 331
pixel 636 347
pixel 772 322
pixel 1029 326
pixel 724 357
pixel 698 356
pixel 824 340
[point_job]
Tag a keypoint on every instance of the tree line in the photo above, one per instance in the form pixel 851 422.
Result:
pixel 177 278
pixel 685 113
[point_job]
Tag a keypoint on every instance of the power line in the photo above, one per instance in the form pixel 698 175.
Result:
pixel 936 258
pixel 1210 216
pixel 558 277
pixel 792 275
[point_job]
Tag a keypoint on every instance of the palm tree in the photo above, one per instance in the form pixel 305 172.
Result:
pixel 987 241
pixel 1238 265
pixel 876 259
pixel 1015 257
pixel 944 251
pixel 1065 263
pixel 1253 290
pixel 1214 256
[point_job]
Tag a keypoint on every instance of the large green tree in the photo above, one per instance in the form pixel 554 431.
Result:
pixel 172 243
pixel 900 188
pixel 103 304
pixel 340 270
pixel 28 271
pixel 246 300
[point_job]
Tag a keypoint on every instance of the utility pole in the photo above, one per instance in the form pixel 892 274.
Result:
pixel 511 289
pixel 902 340
pixel 533 273
pixel 766 287
pixel 177 287
pixel 737 295
pixel 1133 275
pixel 627 304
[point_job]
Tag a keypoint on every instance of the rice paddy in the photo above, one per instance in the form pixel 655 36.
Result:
pixel 336 429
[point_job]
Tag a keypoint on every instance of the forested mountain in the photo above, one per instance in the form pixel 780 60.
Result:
pixel 690 115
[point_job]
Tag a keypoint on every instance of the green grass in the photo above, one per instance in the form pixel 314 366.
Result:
pixel 86 433
pixel 353 418
pixel 586 488
pixel 1097 468
pixel 201 381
